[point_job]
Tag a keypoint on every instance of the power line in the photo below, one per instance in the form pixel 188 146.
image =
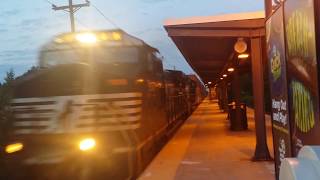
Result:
pixel 104 16
pixel 49 2
pixel 81 23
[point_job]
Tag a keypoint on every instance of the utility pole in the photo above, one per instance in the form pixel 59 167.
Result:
pixel 71 9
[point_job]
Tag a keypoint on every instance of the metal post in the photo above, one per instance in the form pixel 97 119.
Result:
pixel 225 95
pixel 236 91
pixel 261 151
pixel 71 16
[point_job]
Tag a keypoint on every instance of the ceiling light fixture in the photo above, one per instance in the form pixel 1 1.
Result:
pixel 240 46
pixel 243 56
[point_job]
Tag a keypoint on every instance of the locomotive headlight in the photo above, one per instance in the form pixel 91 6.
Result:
pixel 87 144
pixel 11 148
pixel 86 38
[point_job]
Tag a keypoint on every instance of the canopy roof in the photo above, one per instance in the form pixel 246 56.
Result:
pixel 207 43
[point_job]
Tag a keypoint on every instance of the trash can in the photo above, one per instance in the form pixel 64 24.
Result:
pixel 236 126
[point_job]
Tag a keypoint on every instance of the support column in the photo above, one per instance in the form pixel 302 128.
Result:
pixel 261 151
pixel 268 7
pixel 225 95
pixel 236 92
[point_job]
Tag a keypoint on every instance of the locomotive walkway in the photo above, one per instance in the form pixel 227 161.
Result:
pixel 204 148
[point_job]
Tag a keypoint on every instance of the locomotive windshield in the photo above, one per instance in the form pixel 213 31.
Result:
pixel 85 55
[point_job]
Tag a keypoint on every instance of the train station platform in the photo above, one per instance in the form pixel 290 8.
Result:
pixel 204 148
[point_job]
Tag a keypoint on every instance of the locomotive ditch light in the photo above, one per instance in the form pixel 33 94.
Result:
pixel 86 38
pixel 12 148
pixel 87 144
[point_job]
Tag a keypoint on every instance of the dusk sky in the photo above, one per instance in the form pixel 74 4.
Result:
pixel 25 25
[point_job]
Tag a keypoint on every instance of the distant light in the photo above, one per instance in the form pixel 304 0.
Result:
pixel 86 38
pixel 140 80
pixel 11 148
pixel 221 78
pixel 224 75
pixel 230 69
pixel 209 82
pixel 118 82
pixel 87 144
pixel 243 56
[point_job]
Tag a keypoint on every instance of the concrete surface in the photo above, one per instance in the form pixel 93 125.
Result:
pixel 204 148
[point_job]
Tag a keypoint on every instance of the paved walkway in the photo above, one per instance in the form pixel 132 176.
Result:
pixel 204 148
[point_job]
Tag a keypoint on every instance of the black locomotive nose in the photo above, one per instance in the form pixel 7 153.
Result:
pixel 68 79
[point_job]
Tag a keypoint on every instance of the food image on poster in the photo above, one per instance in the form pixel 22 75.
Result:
pixel 302 107
pixel 301 45
pixel 302 72
pixel 275 63
pixel 298 34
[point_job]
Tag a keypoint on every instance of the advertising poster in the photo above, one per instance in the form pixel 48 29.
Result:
pixel 302 73
pixel 278 87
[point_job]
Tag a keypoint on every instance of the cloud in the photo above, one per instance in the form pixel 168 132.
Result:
pixel 10 12
pixel 35 22
pixel 3 30
pixel 18 57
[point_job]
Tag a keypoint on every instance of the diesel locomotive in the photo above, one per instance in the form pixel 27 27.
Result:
pixel 100 106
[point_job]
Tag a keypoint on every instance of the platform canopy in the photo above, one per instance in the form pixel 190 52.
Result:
pixel 207 43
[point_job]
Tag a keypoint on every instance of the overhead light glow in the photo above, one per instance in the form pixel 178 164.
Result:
pixel 209 82
pixel 230 69
pixel 86 38
pixel 11 148
pixel 221 78
pixel 224 75
pixel 243 56
pixel 87 144
pixel 140 80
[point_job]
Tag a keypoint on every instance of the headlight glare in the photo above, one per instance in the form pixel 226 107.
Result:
pixel 87 144
pixel 11 148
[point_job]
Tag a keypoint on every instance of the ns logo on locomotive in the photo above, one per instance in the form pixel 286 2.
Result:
pixel 99 107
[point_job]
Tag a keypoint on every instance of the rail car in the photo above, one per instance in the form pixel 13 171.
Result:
pixel 99 107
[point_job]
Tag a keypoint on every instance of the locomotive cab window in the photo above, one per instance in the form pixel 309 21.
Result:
pixel 110 55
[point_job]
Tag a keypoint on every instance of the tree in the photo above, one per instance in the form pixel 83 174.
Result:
pixel 5 96
pixel 6 89
pixel 9 77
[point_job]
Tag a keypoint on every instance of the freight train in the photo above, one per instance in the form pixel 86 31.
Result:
pixel 99 107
